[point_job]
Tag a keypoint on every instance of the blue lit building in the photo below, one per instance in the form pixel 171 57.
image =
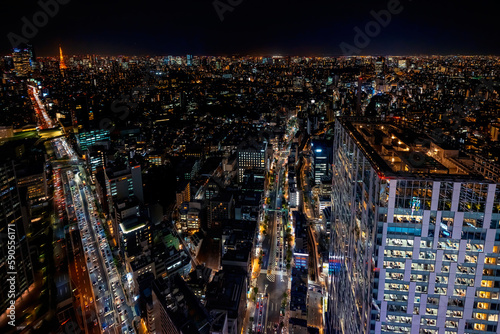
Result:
pixel 91 138
pixel 321 159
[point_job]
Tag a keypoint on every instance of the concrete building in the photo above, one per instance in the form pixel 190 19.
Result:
pixel 123 184
pixel 32 181
pixel 414 241
pixel 226 293
pixel 321 159
pixel 6 132
pixel 251 155
pixel 131 227
pixel 176 309
pixel 183 193
pixel 24 60
pixel 220 209
pixel 139 267
pixel 171 260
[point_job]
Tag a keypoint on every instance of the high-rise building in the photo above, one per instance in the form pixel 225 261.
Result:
pixel 131 227
pixel 183 193
pixel 176 309
pixel 16 271
pixel 32 181
pixel 251 156
pixel 189 214
pixel 220 209
pixel 91 138
pixel 96 160
pixel 321 159
pixel 123 184
pixel 379 66
pixel 226 293
pixel 24 60
pixel 402 64
pixel 300 250
pixel 415 236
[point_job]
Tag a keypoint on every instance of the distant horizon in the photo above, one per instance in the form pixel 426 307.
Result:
pixel 238 54
pixel 258 27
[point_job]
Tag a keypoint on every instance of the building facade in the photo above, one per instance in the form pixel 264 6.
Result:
pixel 321 159
pixel 414 241
pixel 251 156
pixel 91 138
pixel 124 184
pixel 14 248
pixel 23 60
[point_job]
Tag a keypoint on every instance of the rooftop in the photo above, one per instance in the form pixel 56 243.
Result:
pixel 224 292
pixel 395 151
pixel 181 305
pixel 132 223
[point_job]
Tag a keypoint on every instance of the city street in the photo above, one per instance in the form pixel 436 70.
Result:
pixel 273 282
pixel 101 292
pixel 106 282
pixel 260 315
pixel 43 118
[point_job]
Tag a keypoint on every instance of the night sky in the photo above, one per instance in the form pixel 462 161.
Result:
pixel 257 27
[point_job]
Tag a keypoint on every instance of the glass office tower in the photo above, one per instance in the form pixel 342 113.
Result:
pixel 12 229
pixel 415 235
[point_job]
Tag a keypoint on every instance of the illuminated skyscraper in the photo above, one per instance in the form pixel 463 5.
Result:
pixel 14 249
pixel 321 159
pixel 415 236
pixel 123 184
pixel 379 66
pixel 23 60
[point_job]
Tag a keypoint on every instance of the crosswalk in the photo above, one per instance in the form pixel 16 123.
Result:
pixel 271 277
pixel 273 272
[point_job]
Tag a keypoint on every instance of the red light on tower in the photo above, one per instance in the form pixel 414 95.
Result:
pixel 62 64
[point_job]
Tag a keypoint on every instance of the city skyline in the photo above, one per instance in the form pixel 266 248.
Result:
pixel 249 167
